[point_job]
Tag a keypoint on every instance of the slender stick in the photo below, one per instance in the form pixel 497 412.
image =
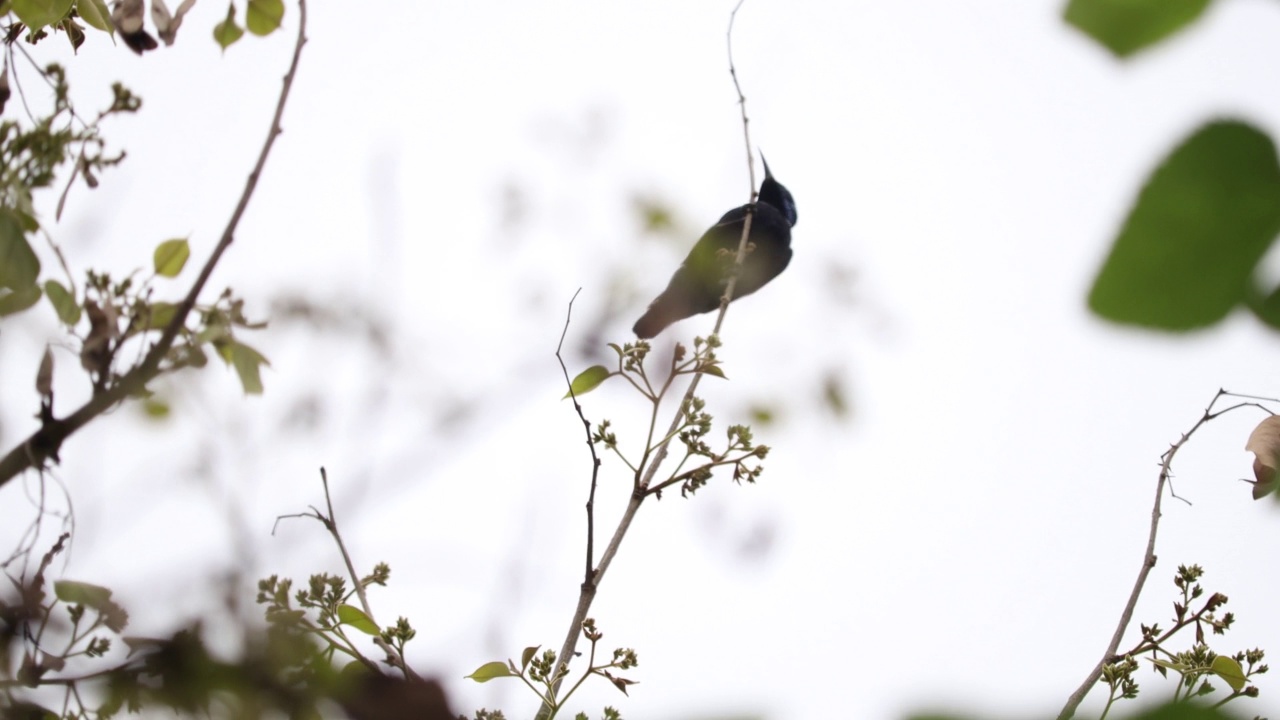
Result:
pixel 1148 557
pixel 45 442
pixel 592 582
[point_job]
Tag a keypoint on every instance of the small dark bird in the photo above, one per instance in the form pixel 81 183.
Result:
pixel 699 283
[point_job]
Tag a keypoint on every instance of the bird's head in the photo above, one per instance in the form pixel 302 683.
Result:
pixel 772 193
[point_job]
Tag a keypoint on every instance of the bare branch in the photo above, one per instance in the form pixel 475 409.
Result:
pixel 1149 557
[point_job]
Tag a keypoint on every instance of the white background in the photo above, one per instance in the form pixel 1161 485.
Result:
pixel 450 173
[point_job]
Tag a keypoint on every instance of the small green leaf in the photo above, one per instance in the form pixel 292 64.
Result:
pixel 227 32
pixel 588 380
pixel 63 302
pixel 491 670
pixel 1176 667
pixel 247 362
pixel 355 617
pixel 96 14
pixel 1127 26
pixel 81 593
pixel 38 13
pixel 19 266
pixel 1230 671
pixel 1187 252
pixel 263 17
pixel 713 370
pixel 15 301
pixel 170 257
pixel 527 656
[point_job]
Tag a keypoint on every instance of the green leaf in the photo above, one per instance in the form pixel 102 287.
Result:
pixel 355 617
pixel 1127 26
pixel 96 14
pixel 227 32
pixel 588 380
pixel 1230 671
pixel 19 266
pixel 263 17
pixel 38 13
pixel 491 670
pixel 15 301
pixel 170 257
pixel 81 593
pixel 713 370
pixel 247 362
pixel 160 316
pixel 63 302
pixel 527 656
pixel 1176 667
pixel 1187 251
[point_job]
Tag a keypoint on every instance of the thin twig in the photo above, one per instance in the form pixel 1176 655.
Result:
pixel 640 492
pixel 330 522
pixel 1149 557
pixel 45 442
pixel 588 578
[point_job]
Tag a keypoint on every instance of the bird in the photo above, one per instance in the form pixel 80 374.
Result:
pixel 699 282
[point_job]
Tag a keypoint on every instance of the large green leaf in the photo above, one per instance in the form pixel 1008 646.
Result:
pixel 1127 26
pixel 1204 219
pixel 262 17
pixel 19 266
pixel 38 13
pixel 96 14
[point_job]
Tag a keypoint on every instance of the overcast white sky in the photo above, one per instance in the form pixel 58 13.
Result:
pixel 454 171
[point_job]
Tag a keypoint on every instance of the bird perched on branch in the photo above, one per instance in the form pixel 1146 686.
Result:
pixel 699 283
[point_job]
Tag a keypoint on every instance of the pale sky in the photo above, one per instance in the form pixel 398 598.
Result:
pixel 963 541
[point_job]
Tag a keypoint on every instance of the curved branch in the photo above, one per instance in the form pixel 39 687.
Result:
pixel 1148 558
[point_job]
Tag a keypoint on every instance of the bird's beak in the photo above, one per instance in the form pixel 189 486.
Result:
pixel 767 175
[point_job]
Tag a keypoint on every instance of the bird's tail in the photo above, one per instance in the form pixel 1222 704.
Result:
pixel 659 315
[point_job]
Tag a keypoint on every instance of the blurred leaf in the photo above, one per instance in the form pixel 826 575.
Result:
pixel 160 316
pixel 18 300
pixel 588 380
pixel 96 14
pixel 38 13
pixel 170 257
pixel 1127 26
pixel 1204 219
pixel 762 415
pixel 491 670
pixel 44 376
pixel 1230 671
pixel 1264 443
pixel 227 32
pixel 155 408
pixel 63 302
pixel 81 593
pixel 247 362
pixel 263 17
pixel 833 394
pixel 19 266
pixel 355 617
pixel 714 370
pixel 655 216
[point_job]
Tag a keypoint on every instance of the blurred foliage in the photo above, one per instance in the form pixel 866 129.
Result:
pixel 1126 26
pixel 1189 252
pixel 1200 226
